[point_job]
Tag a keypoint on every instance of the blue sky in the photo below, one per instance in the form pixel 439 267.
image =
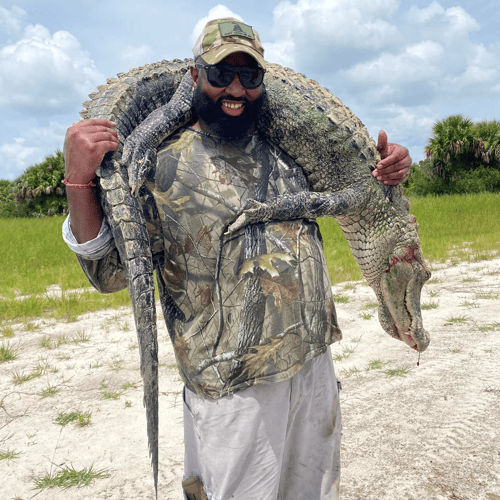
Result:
pixel 399 65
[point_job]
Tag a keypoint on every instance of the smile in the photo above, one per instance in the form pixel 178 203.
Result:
pixel 232 105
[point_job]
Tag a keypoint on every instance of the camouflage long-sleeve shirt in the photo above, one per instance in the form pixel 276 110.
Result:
pixel 244 308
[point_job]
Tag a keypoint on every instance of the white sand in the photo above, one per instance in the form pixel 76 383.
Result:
pixel 431 434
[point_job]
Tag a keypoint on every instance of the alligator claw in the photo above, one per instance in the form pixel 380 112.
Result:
pixel 253 211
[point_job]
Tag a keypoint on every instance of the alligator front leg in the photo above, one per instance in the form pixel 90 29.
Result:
pixel 305 205
pixel 139 152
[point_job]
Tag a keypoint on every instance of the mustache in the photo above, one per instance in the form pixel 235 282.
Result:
pixel 231 98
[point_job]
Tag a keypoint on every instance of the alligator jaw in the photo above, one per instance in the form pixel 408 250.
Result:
pixel 399 298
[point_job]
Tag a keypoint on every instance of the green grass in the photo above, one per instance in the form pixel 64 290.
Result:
pixel 8 352
pixel 457 319
pixel 489 328
pixel 49 391
pixel 129 385
pixel 469 305
pixel 7 332
pixel 340 299
pixel 366 315
pixel 19 378
pixel 108 394
pixel 9 455
pixel 68 477
pixel 346 353
pixel 350 372
pixel 45 260
pixel 376 364
pixel 429 305
pixel 397 372
pixel 79 418
pixel 67 307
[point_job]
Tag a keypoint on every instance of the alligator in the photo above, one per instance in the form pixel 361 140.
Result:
pixel 325 139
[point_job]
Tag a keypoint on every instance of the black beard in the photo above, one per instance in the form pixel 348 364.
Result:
pixel 222 125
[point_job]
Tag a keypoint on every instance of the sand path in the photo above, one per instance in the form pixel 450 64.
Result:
pixel 426 432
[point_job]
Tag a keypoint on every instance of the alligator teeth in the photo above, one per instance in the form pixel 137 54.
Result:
pixel 232 106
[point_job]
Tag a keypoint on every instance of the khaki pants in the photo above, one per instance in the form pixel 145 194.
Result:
pixel 277 441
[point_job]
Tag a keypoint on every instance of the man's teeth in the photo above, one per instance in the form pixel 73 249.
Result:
pixel 232 105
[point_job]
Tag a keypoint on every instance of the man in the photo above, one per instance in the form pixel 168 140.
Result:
pixel 250 314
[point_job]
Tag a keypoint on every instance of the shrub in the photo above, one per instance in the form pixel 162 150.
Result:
pixel 36 192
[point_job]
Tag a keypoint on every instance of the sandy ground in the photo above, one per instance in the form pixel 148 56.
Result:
pixel 433 432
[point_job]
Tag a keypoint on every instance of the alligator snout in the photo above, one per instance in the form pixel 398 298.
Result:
pixel 399 298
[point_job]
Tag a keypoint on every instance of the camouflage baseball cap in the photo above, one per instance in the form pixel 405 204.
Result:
pixel 221 37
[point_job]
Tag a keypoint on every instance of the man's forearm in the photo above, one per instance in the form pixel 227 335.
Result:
pixel 86 214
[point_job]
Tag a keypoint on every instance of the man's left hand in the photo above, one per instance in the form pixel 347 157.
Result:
pixel 395 164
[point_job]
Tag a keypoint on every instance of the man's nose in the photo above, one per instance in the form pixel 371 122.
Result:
pixel 235 88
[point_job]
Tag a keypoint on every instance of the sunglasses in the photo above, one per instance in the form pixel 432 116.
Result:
pixel 222 74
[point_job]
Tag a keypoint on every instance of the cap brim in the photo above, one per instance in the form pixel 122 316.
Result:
pixel 218 54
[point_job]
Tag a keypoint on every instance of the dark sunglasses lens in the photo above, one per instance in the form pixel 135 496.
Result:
pixel 222 76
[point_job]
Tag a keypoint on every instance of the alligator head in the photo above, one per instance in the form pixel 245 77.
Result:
pixel 398 293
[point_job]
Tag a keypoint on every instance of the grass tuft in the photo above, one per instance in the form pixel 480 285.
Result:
pixel 340 299
pixel 8 352
pixel 433 281
pixel 19 378
pixel 350 372
pixel 80 419
pixel 429 305
pixel 487 296
pixel 376 364
pixel 7 332
pixel 346 353
pixel 457 319
pixel 49 391
pixel 129 385
pixel 397 372
pixel 68 477
pixel 469 305
pixel 81 337
pixel 9 455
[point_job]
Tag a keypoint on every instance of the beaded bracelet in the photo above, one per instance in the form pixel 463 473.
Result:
pixel 78 186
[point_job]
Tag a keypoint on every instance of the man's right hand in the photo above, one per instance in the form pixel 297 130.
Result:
pixel 85 145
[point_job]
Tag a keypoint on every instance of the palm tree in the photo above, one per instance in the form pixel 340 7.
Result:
pixel 458 144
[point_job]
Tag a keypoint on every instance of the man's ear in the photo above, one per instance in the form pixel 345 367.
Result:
pixel 194 75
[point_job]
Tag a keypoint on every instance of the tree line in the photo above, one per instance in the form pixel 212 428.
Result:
pixel 461 157
pixel 37 192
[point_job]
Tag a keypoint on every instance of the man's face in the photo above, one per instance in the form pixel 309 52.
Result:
pixel 228 112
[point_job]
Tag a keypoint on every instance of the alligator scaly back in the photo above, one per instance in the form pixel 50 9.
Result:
pixel 127 101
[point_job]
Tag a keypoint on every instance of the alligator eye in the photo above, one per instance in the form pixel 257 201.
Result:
pixel 427 275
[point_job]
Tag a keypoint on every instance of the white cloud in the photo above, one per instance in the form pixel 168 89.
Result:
pixel 447 25
pixel 11 22
pixel 216 12
pixel 18 154
pixel 14 157
pixel 42 71
pixel 281 52
pixel 137 55
pixel 325 33
pixel 422 61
